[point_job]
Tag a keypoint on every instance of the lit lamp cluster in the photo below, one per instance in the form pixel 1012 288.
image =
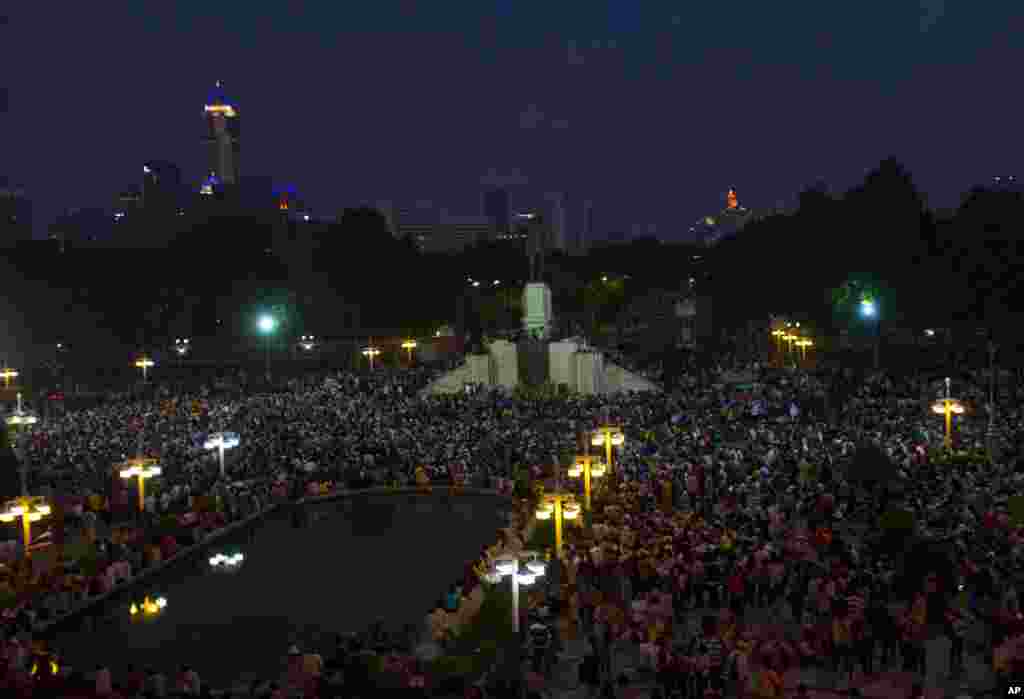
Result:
pixel 588 468
pixel 785 333
pixel 16 422
pixel 148 607
pixel 608 436
pixel 182 345
pixel 141 469
pixel 226 562
pixel 144 363
pixel 7 374
pixel 307 342
pixel 222 441
pixel 409 346
pixel 558 506
pixel 370 353
pixel 949 407
pixel 20 418
pixel 28 509
pixel 523 570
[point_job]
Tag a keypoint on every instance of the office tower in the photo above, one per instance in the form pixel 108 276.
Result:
pixel 222 139
pixel 496 209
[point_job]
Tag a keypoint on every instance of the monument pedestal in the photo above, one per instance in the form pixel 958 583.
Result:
pixel 537 313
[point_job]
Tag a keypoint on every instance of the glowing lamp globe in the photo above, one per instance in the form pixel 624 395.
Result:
pixel 228 440
pixel 536 566
pixel 506 565
pixel 867 307
pixel 21 420
pixel 570 510
pixel 266 324
pixel 147 471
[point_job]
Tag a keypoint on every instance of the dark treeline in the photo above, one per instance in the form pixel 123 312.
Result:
pixel 962 270
pixel 332 279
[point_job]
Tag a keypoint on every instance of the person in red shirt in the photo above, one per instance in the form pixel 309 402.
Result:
pixel 989 520
pixel 737 591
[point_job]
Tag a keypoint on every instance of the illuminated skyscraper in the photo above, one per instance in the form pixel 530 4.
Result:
pixel 222 138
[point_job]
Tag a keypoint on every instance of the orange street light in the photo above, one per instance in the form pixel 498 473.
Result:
pixel 558 506
pixel 145 363
pixel 7 375
pixel 140 468
pixel 803 343
pixel 608 436
pixel 587 467
pixel 948 406
pixel 29 509
pixel 409 346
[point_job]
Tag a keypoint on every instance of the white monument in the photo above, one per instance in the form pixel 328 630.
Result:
pixel 537 314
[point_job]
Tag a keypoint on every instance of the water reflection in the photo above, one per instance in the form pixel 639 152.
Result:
pixel 226 562
pixel 290 586
pixel 147 608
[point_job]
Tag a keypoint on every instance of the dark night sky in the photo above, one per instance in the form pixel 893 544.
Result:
pixel 652 109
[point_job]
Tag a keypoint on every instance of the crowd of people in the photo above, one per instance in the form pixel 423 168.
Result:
pixel 725 499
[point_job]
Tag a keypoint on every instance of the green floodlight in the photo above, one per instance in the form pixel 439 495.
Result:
pixel 267 324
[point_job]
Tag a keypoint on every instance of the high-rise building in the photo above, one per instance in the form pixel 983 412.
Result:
pixel 709 230
pixel 496 209
pixel 15 215
pixel 558 218
pixel 222 139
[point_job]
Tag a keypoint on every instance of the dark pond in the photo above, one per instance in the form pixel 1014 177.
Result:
pixel 352 564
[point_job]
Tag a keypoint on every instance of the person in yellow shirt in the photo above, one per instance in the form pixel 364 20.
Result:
pixel 422 480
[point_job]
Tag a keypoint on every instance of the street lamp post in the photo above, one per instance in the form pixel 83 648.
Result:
pixel 778 335
pixel 587 467
pixel 140 468
pixel 803 343
pixel 558 506
pixel 523 570
pixel 869 310
pixel 948 406
pixel 371 352
pixel 608 436
pixel 267 325
pixel 7 375
pixel 16 424
pixel 409 346
pixel 144 363
pixel 222 441
pixel 29 509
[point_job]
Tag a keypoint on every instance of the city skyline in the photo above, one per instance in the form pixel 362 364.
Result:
pixel 651 114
